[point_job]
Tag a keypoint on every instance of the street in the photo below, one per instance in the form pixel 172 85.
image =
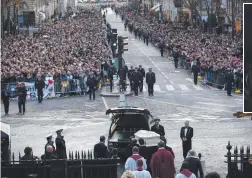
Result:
pixel 176 99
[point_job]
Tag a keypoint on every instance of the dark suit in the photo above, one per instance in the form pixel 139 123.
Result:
pixel 61 147
pixel 170 149
pixel 187 145
pixel 6 100
pixel 159 130
pixel 195 166
pixel 100 150
pixel 150 80
pixel 143 151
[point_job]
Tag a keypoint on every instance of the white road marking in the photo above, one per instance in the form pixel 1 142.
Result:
pixel 170 87
pixel 207 99
pixel 214 104
pixel 184 87
pixel 197 87
pixel 105 103
pixel 189 79
pixel 157 88
pixel 153 62
pixel 187 106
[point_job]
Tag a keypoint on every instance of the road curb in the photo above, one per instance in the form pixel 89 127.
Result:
pixel 109 94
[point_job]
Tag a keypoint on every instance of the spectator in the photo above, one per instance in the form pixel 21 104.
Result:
pixel 140 173
pixel 131 161
pixel 28 155
pixel 194 164
pixel 185 172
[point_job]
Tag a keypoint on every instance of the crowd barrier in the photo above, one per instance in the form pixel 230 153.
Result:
pixel 53 88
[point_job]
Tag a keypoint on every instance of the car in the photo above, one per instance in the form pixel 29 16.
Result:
pixel 126 121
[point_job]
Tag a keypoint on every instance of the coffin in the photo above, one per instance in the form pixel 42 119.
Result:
pixel 150 138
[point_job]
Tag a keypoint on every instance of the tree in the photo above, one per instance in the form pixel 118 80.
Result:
pixel 193 6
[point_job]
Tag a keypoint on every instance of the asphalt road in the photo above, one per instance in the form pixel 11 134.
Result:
pixel 209 111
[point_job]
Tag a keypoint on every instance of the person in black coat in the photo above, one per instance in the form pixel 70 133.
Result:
pixel 21 92
pixel 159 129
pixel 110 77
pixel 60 145
pixel 186 134
pixel 136 77
pixel 92 84
pixel 100 149
pixel 133 142
pixel 167 147
pixel 40 85
pixel 230 80
pixel 175 57
pixel 195 70
pixel 162 46
pixel 150 80
pixel 194 164
pixel 130 77
pixel 143 150
pixel 6 99
pixel 142 72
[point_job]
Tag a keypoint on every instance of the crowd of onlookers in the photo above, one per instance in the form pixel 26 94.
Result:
pixel 66 48
pixel 215 51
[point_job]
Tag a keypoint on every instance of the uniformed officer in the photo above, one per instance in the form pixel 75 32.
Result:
pixel 175 57
pixel 142 72
pixel 6 99
pixel 130 75
pixel 60 145
pixel 49 143
pixel 159 129
pixel 136 80
pixel 196 71
pixel 230 80
pixel 150 80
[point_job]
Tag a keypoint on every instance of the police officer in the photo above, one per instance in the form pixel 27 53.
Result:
pixel 122 74
pixel 21 91
pixel 230 80
pixel 6 99
pixel 161 46
pixel 49 143
pixel 92 84
pixel 142 72
pixel 40 85
pixel 195 70
pixel 110 76
pixel 136 80
pixel 175 57
pixel 60 145
pixel 150 80
pixel 130 77
pixel 159 129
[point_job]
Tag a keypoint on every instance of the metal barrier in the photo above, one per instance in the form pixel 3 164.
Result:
pixel 244 160
pixel 79 165
pixel 70 86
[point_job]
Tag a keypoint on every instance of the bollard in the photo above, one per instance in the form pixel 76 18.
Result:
pixel 122 100
pixel 115 83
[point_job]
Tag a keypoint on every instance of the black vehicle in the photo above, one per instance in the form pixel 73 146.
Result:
pixel 126 121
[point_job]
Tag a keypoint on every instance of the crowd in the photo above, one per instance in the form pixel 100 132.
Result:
pixel 215 52
pixel 66 48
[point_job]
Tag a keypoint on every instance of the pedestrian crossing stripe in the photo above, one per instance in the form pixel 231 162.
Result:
pixel 157 88
pixel 170 87
pixel 197 87
pixel 144 89
pixel 183 87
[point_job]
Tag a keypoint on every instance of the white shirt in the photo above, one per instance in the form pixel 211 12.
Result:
pixel 186 129
pixel 142 174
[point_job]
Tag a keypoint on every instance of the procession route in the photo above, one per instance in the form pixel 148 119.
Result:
pixel 153 62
